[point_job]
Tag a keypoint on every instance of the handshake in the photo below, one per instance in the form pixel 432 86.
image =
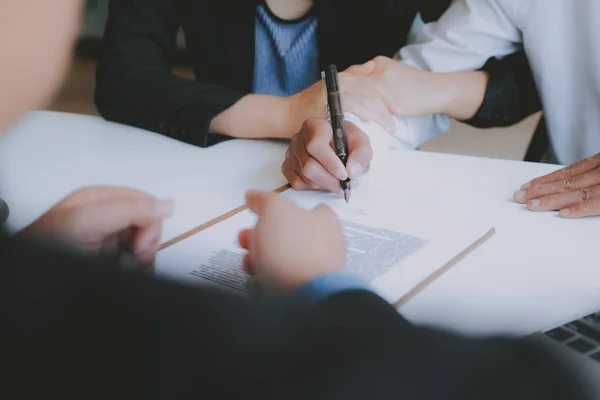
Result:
pixel 383 88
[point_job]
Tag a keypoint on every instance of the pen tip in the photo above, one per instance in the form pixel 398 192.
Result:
pixel 347 195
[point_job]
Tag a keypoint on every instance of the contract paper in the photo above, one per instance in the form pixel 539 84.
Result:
pixel 392 249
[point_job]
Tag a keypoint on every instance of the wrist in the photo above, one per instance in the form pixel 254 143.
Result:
pixel 464 93
pixel 291 117
pixel 256 117
pixel 279 120
pixel 310 103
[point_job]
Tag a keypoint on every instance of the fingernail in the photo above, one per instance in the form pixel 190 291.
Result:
pixel 354 168
pixel 164 208
pixel 526 186
pixel 564 213
pixel 533 204
pixel 341 174
pixel 520 195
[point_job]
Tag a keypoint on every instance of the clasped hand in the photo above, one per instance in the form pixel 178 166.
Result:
pixel 119 222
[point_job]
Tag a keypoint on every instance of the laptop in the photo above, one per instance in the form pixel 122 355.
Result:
pixel 579 342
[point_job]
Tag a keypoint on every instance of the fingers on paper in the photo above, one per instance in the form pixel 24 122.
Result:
pixel 587 208
pixel 576 204
pixel 567 173
pixel 571 184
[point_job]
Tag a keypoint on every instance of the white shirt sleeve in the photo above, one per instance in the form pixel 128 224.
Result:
pixel 464 38
pixel 381 141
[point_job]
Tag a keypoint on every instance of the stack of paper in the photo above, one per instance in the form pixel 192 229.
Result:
pixel 390 248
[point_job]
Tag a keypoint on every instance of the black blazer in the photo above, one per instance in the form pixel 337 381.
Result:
pixel 134 81
pixel 82 329
pixel 135 85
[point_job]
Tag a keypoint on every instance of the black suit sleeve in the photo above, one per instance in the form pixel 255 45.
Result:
pixel 511 94
pixel 83 329
pixel 387 357
pixel 135 85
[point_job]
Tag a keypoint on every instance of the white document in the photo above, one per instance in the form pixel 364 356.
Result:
pixel 387 247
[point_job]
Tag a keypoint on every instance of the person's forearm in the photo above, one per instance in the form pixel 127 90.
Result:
pixel 511 93
pixel 256 117
pixel 462 93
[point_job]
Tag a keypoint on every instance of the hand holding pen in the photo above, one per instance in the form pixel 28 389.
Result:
pixel 336 116
pixel 312 164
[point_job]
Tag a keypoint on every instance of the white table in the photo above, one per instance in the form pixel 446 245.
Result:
pixel 48 155
pixel 536 272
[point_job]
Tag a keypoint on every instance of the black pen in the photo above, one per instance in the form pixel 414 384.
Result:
pixel 336 116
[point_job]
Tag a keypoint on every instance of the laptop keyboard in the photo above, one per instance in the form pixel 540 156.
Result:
pixel 582 335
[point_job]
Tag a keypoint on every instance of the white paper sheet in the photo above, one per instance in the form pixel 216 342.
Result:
pixel 386 247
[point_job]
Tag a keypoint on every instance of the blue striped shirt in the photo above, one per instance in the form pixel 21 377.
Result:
pixel 286 54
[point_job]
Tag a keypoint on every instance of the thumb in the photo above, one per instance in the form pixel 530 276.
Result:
pixel 362 70
pixel 257 201
pixel 114 216
pixel 265 204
